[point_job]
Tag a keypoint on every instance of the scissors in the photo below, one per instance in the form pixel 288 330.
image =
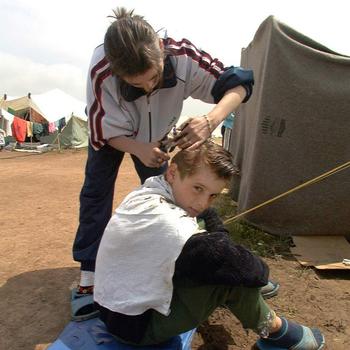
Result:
pixel 169 141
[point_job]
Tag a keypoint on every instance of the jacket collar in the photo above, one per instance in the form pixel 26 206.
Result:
pixel 131 93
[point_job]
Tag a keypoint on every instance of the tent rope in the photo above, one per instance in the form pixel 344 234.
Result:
pixel 307 183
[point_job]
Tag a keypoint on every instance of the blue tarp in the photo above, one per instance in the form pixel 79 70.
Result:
pixel 92 335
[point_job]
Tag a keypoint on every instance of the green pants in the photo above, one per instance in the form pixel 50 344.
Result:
pixel 193 303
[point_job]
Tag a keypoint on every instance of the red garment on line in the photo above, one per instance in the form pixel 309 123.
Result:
pixel 19 129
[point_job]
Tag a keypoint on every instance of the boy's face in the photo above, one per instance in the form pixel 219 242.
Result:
pixel 149 79
pixel 196 192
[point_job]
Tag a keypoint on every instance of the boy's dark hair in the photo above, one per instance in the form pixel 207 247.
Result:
pixel 131 44
pixel 210 154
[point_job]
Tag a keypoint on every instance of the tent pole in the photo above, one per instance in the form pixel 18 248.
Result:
pixel 30 120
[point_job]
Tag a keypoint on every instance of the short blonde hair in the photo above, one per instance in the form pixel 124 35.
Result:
pixel 210 154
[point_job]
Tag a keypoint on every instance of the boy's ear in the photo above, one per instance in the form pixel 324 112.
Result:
pixel 171 172
pixel 161 45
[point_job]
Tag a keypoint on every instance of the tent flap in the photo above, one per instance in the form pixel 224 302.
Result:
pixel 294 128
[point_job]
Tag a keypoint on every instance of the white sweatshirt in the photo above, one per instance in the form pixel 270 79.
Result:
pixel 136 258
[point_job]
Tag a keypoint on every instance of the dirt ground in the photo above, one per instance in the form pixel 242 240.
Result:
pixel 39 212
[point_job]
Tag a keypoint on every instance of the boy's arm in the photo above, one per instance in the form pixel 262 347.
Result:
pixel 199 129
pixel 209 81
pixel 149 153
pixel 212 258
pixel 212 220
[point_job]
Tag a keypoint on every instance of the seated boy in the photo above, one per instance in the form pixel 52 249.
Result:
pixel 157 275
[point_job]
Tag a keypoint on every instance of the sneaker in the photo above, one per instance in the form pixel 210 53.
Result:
pixel 270 290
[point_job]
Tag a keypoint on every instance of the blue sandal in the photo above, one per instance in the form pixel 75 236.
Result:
pixel 312 339
pixel 82 306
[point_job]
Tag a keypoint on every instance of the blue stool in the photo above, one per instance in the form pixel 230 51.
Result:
pixel 93 335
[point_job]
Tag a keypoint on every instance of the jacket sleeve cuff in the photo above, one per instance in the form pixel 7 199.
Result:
pixel 231 78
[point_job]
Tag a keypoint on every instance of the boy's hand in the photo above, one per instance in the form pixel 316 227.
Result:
pixel 212 220
pixel 151 156
pixel 194 132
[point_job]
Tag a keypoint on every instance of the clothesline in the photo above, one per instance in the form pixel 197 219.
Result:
pixel 22 128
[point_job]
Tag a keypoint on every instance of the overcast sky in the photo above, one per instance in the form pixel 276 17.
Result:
pixel 46 44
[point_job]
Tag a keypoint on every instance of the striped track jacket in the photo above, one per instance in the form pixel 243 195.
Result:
pixel 116 109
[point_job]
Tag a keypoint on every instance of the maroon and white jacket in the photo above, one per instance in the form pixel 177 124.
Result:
pixel 118 109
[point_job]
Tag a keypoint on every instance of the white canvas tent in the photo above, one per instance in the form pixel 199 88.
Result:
pixel 24 107
pixel 56 104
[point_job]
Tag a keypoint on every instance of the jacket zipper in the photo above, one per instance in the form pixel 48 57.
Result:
pixel 149 119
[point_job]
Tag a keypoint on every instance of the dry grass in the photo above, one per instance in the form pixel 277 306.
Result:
pixel 256 240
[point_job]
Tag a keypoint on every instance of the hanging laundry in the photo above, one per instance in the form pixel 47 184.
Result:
pixel 29 129
pixel 61 124
pixel 45 129
pixel 52 127
pixel 37 129
pixel 19 129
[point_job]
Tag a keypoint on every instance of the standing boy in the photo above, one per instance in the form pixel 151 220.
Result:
pixel 136 86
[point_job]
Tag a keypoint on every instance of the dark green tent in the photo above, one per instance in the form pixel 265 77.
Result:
pixel 73 135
